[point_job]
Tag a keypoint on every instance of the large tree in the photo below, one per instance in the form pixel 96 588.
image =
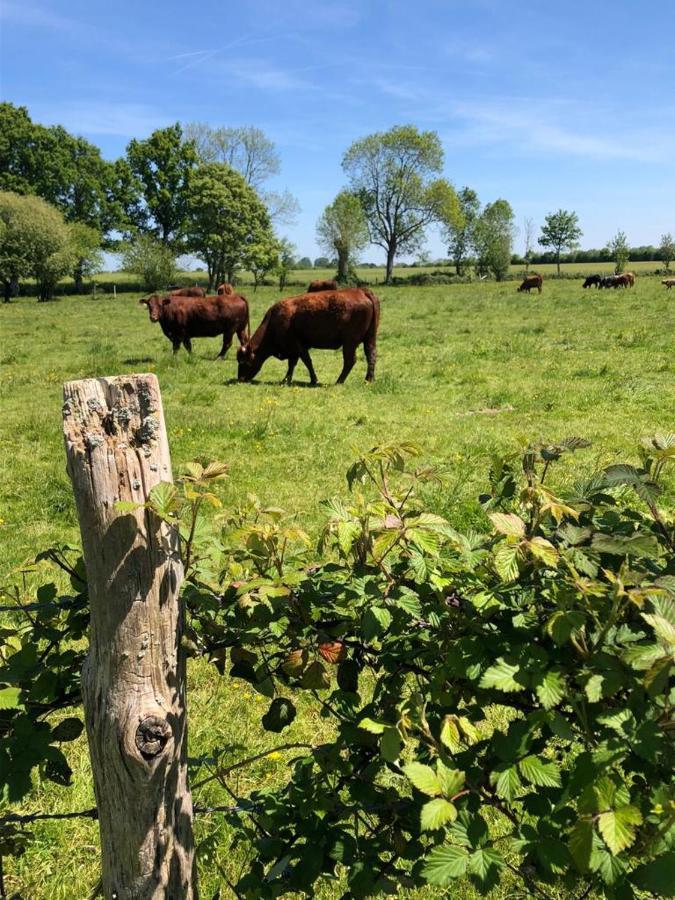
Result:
pixel 343 229
pixel 393 173
pixel 250 152
pixel 459 230
pixel 493 239
pixel 227 222
pixel 163 165
pixel 560 231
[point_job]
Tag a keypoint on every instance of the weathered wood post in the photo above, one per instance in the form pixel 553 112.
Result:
pixel 133 682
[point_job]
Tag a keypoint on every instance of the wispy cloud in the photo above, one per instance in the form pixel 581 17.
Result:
pixel 30 16
pixel 103 117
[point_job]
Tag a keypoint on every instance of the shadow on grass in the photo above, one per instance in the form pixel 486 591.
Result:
pixel 280 384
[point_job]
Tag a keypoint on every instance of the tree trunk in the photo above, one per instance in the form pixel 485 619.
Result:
pixel 557 259
pixel 133 681
pixel 391 255
pixel 78 277
pixel 343 266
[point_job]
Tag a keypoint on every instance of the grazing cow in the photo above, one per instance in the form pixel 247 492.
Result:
pixel 316 286
pixel 225 288
pixel 631 278
pixel 592 280
pixel 531 281
pixel 669 282
pixel 183 318
pixel 188 292
pixel 326 320
pixel 614 281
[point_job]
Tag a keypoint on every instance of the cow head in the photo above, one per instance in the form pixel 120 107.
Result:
pixel 248 365
pixel 225 288
pixel 155 304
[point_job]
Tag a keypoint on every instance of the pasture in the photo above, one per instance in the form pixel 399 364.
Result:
pixel 463 371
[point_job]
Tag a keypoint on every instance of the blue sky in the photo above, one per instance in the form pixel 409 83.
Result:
pixel 549 105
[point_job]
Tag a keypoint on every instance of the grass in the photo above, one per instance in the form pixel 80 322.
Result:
pixel 464 371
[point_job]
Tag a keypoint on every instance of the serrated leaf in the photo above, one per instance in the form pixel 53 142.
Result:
pixel 373 727
pixel 483 860
pixel 618 827
pixel 295 662
pixel 581 843
pixel 663 628
pixel 9 698
pixel 332 651
pixel 450 735
pixel 593 688
pixel 508 784
pixel 656 876
pixel 450 780
pixel 538 772
pixel 423 778
pixel 543 550
pixel 506 561
pixel 469 731
pixel 127 506
pixel 162 499
pixel 550 689
pixel 508 523
pixel 437 813
pixel 375 622
pixel 445 863
pixel 279 715
pixel 347 534
pixel 502 676
pixel 631 545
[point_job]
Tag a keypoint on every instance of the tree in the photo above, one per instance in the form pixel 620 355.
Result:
pixel 228 225
pixel 153 261
pixel 86 245
pixel 285 262
pixel 561 231
pixel 250 152
pixel 393 174
pixel 16 239
pixel 619 250
pixel 459 233
pixel 322 262
pixel 305 263
pixel 342 229
pixel 528 233
pixel 493 239
pixel 667 249
pixel 163 165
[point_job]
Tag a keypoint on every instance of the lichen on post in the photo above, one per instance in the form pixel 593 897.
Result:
pixel 133 682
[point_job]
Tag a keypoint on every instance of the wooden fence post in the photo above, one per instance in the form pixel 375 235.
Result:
pixel 133 682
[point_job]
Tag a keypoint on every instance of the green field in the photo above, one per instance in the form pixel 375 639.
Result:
pixel 464 371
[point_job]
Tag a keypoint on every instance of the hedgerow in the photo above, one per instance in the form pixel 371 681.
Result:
pixel 501 702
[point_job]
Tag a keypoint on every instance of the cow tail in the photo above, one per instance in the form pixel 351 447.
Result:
pixel 248 319
pixel 375 323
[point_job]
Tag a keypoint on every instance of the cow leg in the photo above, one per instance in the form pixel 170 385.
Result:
pixel 292 363
pixel 227 343
pixel 187 343
pixel 176 345
pixel 371 356
pixel 306 358
pixel 348 360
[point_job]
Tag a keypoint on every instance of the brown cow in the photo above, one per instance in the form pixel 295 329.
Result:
pixel 316 286
pixel 183 318
pixel 188 292
pixel 669 282
pixel 631 278
pixel 326 320
pixel 531 281
pixel 225 288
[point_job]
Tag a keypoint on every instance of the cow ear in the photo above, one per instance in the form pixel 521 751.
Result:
pixel 144 301
pixel 166 301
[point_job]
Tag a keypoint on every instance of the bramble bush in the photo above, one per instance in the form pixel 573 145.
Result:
pixel 501 702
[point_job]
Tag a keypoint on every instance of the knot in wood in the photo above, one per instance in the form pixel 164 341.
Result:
pixel 152 735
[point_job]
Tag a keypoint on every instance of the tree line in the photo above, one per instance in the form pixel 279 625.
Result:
pixel 200 190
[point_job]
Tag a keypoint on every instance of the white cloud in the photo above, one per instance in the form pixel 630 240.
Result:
pixel 91 117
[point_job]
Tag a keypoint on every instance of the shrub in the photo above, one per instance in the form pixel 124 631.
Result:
pixel 150 259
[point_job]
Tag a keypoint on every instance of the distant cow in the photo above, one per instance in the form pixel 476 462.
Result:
pixel 592 281
pixel 631 278
pixel 531 281
pixel 315 286
pixel 184 318
pixel 225 288
pixel 669 282
pixel 188 292
pixel 615 281
pixel 325 320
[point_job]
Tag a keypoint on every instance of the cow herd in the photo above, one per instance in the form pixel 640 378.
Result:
pixel 324 318
pixel 625 280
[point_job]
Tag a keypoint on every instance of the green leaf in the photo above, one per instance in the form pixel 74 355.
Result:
pixel 391 744
pixel 423 778
pixel 508 523
pixel 375 622
pixel 538 772
pixel 663 628
pixel 618 827
pixel 581 843
pixel 68 729
pixel 9 698
pixel 550 689
pixel 593 688
pixel 508 784
pixel 347 533
pixel 482 861
pixel 127 506
pixel 656 876
pixel 162 499
pixel 506 561
pixel 279 715
pixel 450 735
pixel 451 780
pixel 315 677
pixel 445 863
pixel 437 813
pixel 372 726
pixel 502 676
pixel 544 550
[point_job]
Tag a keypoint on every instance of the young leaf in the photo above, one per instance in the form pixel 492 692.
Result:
pixel 162 499
pixel 502 676
pixel 445 863
pixel 391 744
pixel 9 698
pixel 550 689
pixel 451 780
pixel 581 843
pixel 437 813
pixel 618 827
pixel 423 778
pixel 508 523
pixel 506 561
pixel 508 784
pixel 315 677
pixel 536 771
